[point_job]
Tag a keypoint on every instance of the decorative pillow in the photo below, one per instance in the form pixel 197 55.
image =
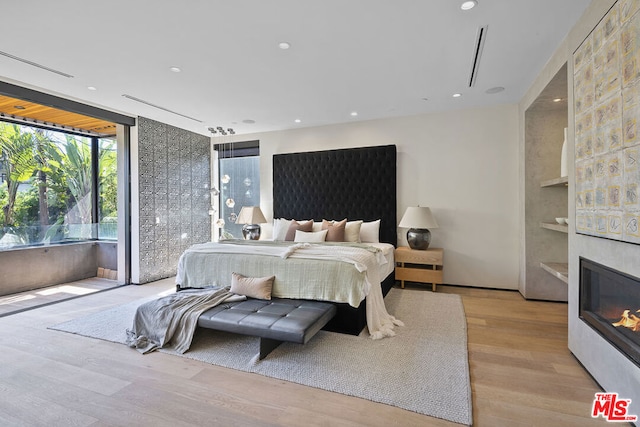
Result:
pixel 370 232
pixel 317 226
pixel 295 225
pixel 310 237
pixel 253 287
pixel 280 228
pixel 335 230
pixel 352 231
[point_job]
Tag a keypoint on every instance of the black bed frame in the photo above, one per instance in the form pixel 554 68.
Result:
pixel 354 183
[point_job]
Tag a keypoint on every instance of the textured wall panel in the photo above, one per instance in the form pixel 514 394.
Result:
pixel 607 136
pixel 174 195
pixel 354 183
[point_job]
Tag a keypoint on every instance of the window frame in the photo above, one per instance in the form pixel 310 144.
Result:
pixel 125 123
pixel 95 169
pixel 227 150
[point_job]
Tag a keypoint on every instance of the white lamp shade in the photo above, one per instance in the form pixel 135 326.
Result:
pixel 418 217
pixel 251 215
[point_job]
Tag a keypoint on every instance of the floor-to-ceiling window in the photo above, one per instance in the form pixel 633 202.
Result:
pixel 239 185
pixel 71 186
pixel 107 189
pixel 49 182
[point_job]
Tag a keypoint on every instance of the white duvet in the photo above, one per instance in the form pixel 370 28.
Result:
pixel 369 261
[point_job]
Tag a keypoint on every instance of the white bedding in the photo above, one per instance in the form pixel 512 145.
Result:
pixel 328 278
pixel 387 251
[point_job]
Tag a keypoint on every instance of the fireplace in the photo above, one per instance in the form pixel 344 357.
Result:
pixel 610 304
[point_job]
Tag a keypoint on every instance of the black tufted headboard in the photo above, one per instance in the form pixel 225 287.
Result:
pixel 353 183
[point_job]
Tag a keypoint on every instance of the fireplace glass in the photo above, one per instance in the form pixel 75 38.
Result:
pixel 610 304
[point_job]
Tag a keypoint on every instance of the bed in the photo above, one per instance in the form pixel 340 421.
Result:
pixel 357 184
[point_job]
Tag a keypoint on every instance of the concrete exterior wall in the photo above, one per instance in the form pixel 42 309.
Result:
pixel 107 255
pixel 32 268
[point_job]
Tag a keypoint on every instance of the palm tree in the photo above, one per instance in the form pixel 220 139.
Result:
pixel 61 164
pixel 43 145
pixel 16 148
pixel 107 178
pixel 70 173
pixel 76 164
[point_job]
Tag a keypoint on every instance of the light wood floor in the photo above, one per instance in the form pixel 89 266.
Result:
pixel 521 373
pixel 28 300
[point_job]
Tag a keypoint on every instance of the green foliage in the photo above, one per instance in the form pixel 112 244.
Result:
pixel 3 201
pixel 16 150
pixel 108 179
pixel 49 180
pixel 26 207
pixel 74 172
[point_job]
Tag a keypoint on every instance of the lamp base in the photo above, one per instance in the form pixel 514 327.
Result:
pixel 419 238
pixel 251 231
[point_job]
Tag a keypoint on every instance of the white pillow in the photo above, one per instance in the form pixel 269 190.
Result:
pixel 352 231
pixel 310 237
pixel 370 232
pixel 280 227
pixel 317 226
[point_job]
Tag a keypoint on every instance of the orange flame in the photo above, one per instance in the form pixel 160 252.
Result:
pixel 629 320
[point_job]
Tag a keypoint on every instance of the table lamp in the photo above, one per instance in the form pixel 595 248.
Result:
pixel 418 220
pixel 251 217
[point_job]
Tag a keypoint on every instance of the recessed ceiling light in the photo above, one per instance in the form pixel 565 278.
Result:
pixel 284 45
pixel 19 107
pixel 557 100
pixel 425 99
pixel 175 69
pixel 468 5
pixel 457 95
pixel 496 89
pixel 92 88
pixel 354 113
pixel 297 120
pixel 248 121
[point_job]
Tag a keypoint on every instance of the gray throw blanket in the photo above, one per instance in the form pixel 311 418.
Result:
pixel 172 319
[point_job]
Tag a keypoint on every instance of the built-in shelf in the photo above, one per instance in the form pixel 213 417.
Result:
pixel 563 228
pixel 557 269
pixel 563 181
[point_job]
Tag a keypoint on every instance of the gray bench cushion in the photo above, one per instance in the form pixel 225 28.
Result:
pixel 278 319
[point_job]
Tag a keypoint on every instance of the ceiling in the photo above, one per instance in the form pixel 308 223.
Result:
pixel 379 58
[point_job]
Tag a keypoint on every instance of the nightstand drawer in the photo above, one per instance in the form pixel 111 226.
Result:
pixel 421 275
pixel 429 256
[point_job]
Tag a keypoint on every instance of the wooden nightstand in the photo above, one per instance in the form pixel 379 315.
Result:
pixel 423 266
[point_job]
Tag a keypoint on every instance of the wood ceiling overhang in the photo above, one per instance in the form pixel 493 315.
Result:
pixel 27 112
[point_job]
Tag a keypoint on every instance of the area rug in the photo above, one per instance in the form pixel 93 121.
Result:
pixel 424 368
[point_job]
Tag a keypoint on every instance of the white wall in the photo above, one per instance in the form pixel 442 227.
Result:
pixel 135 207
pixel 462 164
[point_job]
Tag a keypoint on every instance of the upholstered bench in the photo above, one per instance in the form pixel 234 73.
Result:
pixel 274 321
